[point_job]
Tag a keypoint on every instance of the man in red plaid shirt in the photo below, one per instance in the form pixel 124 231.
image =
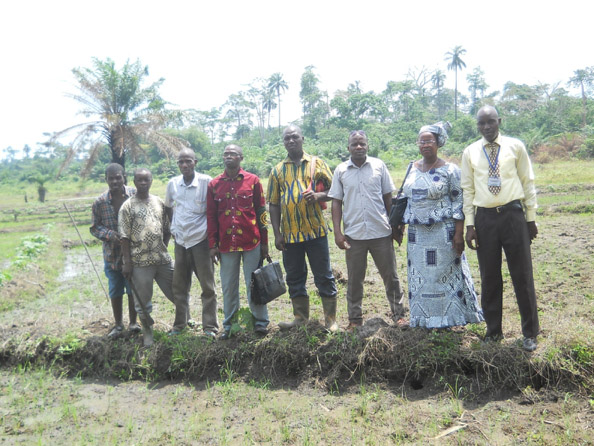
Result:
pixel 105 228
pixel 236 215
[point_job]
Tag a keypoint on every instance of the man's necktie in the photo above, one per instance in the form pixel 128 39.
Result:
pixel 493 167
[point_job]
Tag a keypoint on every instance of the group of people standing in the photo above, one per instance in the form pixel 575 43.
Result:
pixel 224 221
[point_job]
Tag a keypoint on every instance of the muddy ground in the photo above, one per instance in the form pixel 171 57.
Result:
pixel 369 399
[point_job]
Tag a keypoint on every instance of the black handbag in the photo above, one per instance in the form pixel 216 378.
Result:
pixel 267 282
pixel 399 203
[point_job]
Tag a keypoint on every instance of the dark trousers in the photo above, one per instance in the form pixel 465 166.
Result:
pixel 507 230
pixel 319 261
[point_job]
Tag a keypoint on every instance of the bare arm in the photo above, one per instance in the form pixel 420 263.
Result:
pixel 339 237
pixel 458 242
pixel 275 220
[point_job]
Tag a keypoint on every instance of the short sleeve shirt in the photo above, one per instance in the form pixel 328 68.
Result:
pixel 144 222
pixel 189 209
pixel 361 190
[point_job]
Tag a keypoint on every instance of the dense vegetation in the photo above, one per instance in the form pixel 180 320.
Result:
pixel 548 118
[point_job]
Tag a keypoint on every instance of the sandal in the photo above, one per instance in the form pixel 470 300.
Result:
pixel 115 331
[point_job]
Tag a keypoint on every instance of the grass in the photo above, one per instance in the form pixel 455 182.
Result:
pixel 63 381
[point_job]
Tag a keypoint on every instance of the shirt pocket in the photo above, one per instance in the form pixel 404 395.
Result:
pixel 245 200
pixel 200 205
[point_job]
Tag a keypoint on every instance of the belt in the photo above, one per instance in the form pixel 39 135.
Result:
pixel 512 205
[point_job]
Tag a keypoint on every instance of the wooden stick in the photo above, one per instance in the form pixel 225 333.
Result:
pixel 87 250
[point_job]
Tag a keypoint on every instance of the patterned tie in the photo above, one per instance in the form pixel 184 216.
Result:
pixel 493 172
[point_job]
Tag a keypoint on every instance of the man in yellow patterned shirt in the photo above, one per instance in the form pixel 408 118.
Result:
pixel 297 187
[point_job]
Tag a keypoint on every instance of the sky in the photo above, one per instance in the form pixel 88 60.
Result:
pixel 207 50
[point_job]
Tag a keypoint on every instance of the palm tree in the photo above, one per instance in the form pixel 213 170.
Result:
pixel 123 113
pixel 583 79
pixel 276 83
pixel 268 103
pixel 437 79
pixel 456 63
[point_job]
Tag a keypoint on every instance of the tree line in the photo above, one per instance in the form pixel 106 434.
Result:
pixel 130 123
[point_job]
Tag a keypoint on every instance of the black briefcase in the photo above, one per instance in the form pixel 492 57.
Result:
pixel 267 282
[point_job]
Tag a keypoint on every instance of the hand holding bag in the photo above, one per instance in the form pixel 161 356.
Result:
pixel 399 203
pixel 267 282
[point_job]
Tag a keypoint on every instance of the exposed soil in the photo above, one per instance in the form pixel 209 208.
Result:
pixel 507 396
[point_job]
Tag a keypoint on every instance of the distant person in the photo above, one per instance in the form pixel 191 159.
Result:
pixel 185 199
pixel 144 232
pixel 361 195
pixel 105 228
pixel 440 289
pixel 500 209
pixel 296 187
pixel 237 232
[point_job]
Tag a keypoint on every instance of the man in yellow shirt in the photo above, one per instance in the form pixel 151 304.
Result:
pixel 296 188
pixel 500 210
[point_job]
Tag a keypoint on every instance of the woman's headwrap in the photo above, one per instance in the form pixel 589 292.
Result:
pixel 440 130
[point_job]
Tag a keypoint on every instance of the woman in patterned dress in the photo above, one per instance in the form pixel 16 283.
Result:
pixel 440 289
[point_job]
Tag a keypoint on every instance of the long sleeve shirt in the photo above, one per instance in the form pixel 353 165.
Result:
pixel 236 212
pixel 105 227
pixel 300 221
pixel 515 169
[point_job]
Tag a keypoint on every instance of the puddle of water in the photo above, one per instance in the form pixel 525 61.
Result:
pixel 77 263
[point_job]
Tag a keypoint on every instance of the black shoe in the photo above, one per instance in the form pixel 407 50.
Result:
pixel 225 336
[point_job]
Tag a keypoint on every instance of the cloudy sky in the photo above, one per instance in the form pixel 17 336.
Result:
pixel 207 50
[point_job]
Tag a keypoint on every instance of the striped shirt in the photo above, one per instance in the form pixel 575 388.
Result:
pixel 105 227
pixel 287 183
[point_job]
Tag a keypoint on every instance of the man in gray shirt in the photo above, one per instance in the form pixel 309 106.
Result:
pixel 361 195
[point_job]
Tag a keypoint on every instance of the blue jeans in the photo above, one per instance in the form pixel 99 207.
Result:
pixel 230 283
pixel 118 285
pixel 319 262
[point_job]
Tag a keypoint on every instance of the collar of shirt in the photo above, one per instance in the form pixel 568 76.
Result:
pixel 351 164
pixel 305 157
pixel 496 140
pixel 128 191
pixel 194 182
pixel 226 177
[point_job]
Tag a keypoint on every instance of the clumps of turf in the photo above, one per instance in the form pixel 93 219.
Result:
pixel 378 352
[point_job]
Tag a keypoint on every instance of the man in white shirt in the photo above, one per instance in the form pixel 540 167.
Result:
pixel 361 195
pixel 185 200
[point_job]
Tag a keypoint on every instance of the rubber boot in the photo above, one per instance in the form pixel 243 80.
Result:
pixel 147 333
pixel 329 305
pixel 300 311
